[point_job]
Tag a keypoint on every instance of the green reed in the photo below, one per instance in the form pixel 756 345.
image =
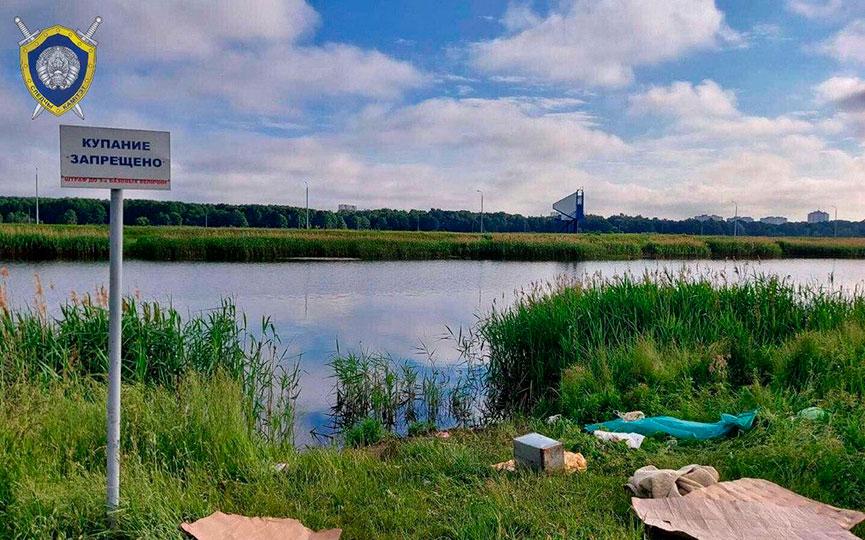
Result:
pixel 400 395
pixel 47 242
pixel 574 324
pixel 159 348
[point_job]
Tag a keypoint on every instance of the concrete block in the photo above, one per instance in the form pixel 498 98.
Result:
pixel 539 452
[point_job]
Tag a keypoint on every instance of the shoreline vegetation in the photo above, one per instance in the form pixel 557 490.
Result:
pixel 200 433
pixel 74 242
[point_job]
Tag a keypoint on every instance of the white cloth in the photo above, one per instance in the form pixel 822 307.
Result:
pixel 633 440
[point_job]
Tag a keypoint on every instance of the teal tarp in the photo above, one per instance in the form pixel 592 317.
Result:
pixel 682 429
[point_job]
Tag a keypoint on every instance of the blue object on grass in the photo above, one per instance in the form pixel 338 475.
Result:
pixel 682 429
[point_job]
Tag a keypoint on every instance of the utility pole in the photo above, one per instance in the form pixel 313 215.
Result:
pixel 736 220
pixel 482 209
pixel 37 195
pixel 307 204
pixel 832 205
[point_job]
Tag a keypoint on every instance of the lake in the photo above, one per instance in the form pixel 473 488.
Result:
pixel 398 307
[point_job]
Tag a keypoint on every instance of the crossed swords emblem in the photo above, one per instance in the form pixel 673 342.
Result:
pixel 86 37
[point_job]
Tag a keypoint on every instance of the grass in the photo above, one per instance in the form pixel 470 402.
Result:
pixel 48 242
pixel 195 439
pixel 187 453
pixel 653 330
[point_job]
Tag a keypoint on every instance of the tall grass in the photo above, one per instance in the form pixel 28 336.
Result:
pixel 46 242
pixel 658 322
pixel 159 349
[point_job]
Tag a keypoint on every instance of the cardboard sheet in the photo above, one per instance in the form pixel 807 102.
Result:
pixel 759 490
pixel 747 509
pixel 219 526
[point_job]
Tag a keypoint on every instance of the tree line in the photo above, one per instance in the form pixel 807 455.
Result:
pixel 142 212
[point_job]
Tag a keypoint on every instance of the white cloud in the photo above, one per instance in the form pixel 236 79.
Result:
pixel 847 96
pixel 816 9
pixel 274 79
pixel 519 17
pixel 682 99
pixel 182 29
pixel 846 92
pixel 848 45
pixel 600 42
pixel 707 112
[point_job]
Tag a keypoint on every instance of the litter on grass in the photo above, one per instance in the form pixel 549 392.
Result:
pixel 574 462
pixel 651 482
pixel 747 508
pixel 219 526
pixel 632 416
pixel 633 440
pixel 682 429
pixel 813 413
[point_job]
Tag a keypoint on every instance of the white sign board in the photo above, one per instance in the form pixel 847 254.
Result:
pixel 97 157
pixel 567 207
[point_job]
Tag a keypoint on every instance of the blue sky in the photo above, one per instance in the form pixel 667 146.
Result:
pixel 670 108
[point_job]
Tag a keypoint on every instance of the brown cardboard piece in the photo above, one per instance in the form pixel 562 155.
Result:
pixel 749 508
pixel 219 526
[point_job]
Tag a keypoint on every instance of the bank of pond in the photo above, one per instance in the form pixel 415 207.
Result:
pixel 73 242
pixel 209 406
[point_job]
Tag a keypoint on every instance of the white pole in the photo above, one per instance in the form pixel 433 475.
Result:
pixel 115 307
pixel 37 195
pixel 736 220
pixel 482 209
pixel 307 204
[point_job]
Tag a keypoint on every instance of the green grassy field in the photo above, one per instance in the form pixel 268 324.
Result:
pixel 48 242
pixel 192 440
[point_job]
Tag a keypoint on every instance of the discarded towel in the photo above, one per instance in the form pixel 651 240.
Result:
pixel 574 462
pixel 219 526
pixel 633 440
pixel 653 483
pixel 683 429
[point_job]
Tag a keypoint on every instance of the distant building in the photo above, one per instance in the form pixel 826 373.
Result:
pixel 707 217
pixel 742 219
pixel 347 208
pixel 818 216
pixel 774 220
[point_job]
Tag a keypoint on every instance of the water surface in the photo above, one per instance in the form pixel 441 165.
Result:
pixel 399 307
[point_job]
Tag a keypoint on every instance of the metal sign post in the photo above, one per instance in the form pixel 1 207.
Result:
pixel 92 157
pixel 115 338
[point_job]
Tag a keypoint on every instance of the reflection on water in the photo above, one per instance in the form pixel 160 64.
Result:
pixel 398 307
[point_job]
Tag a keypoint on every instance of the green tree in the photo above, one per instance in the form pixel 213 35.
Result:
pixel 142 221
pixel 237 219
pixel 70 217
pixel 176 219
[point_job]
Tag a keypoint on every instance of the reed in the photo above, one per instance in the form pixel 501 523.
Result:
pixel 46 242
pixel 159 349
pixel 400 396
pixel 585 325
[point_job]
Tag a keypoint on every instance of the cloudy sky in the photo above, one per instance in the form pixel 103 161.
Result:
pixel 669 108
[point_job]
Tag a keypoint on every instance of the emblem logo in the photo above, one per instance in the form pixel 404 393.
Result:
pixel 57 65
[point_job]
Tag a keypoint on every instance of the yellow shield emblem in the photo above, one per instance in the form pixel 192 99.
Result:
pixel 58 65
